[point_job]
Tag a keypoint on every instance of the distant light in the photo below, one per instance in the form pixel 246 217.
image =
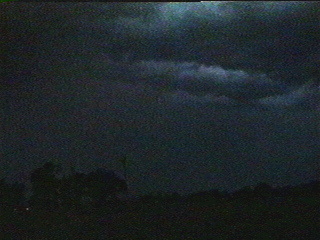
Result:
pixel 27 209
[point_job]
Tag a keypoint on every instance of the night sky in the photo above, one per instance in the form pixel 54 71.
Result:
pixel 196 95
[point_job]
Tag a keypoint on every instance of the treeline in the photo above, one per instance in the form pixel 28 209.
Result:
pixel 261 192
pixel 75 190
pixel 100 188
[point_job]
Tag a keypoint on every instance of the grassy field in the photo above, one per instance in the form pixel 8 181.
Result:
pixel 228 219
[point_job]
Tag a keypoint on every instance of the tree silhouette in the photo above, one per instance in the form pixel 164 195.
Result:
pixel 102 186
pixel 73 189
pixel 45 186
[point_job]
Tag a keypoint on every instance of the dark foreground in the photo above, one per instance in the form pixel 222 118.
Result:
pixel 200 218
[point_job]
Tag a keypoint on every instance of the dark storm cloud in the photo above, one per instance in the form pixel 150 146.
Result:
pixel 277 38
pixel 266 44
pixel 274 38
pixel 242 50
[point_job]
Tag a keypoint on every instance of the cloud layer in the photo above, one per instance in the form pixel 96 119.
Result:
pixel 242 50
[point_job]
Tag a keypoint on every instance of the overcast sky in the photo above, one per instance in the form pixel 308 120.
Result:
pixel 197 95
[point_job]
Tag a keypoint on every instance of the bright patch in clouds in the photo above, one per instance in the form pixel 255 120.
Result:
pixel 177 11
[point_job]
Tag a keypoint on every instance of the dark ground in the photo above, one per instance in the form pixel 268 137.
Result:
pixel 290 218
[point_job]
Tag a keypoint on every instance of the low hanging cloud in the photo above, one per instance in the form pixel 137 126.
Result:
pixel 181 97
pixel 198 79
pixel 308 95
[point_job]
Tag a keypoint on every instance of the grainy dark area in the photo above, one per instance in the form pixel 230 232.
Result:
pixel 104 102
